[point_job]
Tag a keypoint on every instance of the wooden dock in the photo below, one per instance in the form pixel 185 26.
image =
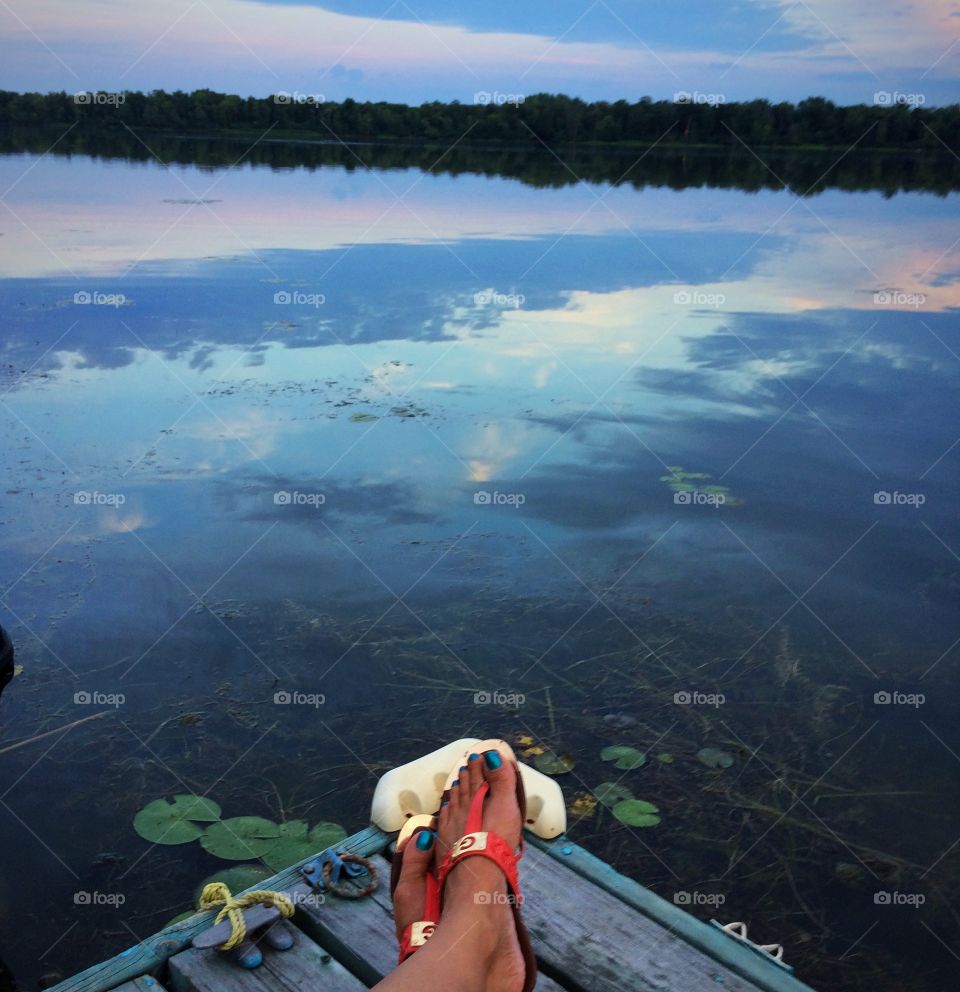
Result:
pixel 593 930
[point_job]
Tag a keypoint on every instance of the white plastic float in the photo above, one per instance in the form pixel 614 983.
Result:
pixel 414 789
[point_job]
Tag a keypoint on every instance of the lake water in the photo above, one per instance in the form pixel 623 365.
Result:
pixel 467 454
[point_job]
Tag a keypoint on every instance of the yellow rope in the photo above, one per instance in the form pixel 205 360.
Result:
pixel 216 894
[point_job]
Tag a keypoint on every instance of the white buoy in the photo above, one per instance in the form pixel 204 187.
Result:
pixel 415 788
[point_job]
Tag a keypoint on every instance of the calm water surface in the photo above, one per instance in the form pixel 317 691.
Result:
pixel 677 467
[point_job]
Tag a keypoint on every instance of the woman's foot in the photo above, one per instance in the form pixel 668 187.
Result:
pixel 475 946
pixel 475 897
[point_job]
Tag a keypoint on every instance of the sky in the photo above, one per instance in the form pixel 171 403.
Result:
pixel 412 51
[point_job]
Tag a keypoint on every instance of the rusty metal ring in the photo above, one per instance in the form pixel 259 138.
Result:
pixel 349 891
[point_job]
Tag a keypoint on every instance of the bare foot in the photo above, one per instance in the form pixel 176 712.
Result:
pixel 475 898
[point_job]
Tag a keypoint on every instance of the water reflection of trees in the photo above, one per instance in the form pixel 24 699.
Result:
pixel 803 172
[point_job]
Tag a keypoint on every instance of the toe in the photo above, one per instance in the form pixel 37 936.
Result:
pixel 409 895
pixel 474 773
pixel 417 856
pixel 499 773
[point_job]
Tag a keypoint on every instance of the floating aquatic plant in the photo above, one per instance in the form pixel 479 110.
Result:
pixel 176 822
pixel 692 482
pixel 292 845
pixel 240 838
pixel 583 805
pixel 666 759
pixel 236 878
pixel 713 757
pixel 611 794
pixel 551 763
pixel 637 813
pixel 623 756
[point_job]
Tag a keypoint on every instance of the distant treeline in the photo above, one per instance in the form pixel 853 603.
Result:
pixel 804 172
pixel 895 121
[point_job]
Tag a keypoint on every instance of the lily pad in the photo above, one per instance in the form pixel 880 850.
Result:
pixel 292 845
pixel 325 835
pixel 665 758
pixel 240 838
pixel 163 822
pixel 623 756
pixel 551 763
pixel 236 878
pixel 296 843
pixel 637 813
pixel 612 793
pixel 713 757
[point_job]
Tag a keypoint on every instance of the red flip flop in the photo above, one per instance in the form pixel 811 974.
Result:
pixel 416 934
pixel 477 842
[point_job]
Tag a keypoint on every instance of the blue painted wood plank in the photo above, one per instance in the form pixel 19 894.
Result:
pixel 727 951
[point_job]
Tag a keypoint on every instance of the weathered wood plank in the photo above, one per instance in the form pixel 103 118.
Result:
pixel 305 967
pixel 150 954
pixel 361 933
pixel 593 940
pixel 726 951
pixel 592 927
pixel 142 984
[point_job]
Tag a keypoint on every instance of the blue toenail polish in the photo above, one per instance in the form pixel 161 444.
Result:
pixel 424 840
pixel 463 768
pixel 456 782
pixel 493 760
pixel 473 757
pixel 446 802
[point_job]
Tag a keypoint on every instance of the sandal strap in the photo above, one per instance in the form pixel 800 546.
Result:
pixel 484 844
pixel 415 936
